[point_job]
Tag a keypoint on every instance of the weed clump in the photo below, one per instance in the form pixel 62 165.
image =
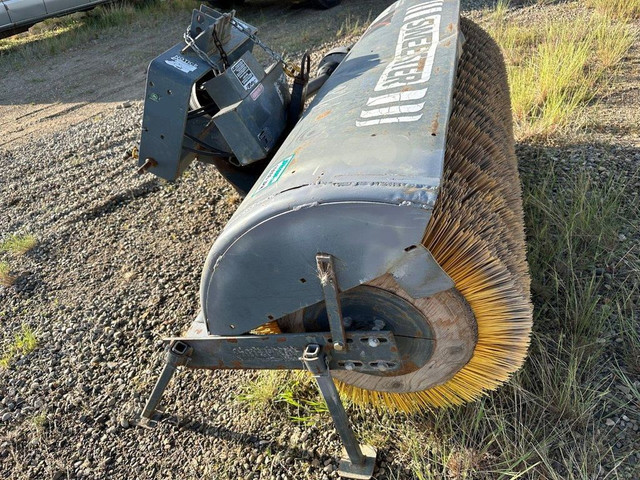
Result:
pixel 6 278
pixel 23 343
pixel 18 244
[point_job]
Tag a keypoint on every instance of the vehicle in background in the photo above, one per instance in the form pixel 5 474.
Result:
pixel 18 15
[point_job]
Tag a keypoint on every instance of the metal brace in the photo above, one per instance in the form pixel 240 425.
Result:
pixel 327 275
pixel 178 354
pixel 359 461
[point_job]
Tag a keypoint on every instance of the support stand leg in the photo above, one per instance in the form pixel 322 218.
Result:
pixel 359 461
pixel 177 354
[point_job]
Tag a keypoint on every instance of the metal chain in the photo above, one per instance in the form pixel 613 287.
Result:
pixel 188 39
pixel 290 70
pixel 223 54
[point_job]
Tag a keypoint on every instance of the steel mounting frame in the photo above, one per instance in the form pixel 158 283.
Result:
pixel 318 352
pixel 313 352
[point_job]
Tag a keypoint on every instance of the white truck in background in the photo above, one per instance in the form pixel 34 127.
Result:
pixel 18 15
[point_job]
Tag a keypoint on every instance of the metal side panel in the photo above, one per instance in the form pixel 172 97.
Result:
pixel 270 270
pixel 169 81
pixel 357 177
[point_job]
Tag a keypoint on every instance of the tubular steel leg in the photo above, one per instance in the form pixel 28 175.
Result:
pixel 177 354
pixel 357 464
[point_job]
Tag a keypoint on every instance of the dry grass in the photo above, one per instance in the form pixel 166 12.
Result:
pixel 353 25
pixel 621 9
pixel 6 278
pixel 556 69
pixel 59 34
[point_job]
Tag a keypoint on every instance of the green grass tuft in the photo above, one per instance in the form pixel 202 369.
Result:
pixel 292 392
pixel 18 244
pixel 23 343
pixel 557 69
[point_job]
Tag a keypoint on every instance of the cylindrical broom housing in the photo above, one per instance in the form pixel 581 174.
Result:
pixel 403 169
pixel 357 177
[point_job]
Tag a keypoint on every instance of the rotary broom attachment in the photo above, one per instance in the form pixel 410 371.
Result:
pixel 380 244
pixel 476 234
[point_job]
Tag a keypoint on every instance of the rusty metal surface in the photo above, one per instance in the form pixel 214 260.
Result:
pixel 284 352
pixel 331 292
pixel 356 463
pixel 367 308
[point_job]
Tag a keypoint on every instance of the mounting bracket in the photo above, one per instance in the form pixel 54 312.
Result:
pixel 314 352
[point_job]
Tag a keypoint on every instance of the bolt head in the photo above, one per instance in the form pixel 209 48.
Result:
pixel 383 367
pixel 378 324
pixel 349 366
pixel 374 342
pixel 338 346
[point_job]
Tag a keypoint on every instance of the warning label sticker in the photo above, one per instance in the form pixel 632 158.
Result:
pixel 274 173
pixel 257 92
pixel 244 74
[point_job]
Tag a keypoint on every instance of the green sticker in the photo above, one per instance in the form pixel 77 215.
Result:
pixel 274 173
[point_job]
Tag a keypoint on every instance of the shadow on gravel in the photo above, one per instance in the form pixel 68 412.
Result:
pixel 253 440
pixel 26 283
pixel 120 200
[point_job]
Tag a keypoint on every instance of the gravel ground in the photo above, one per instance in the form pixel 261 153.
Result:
pixel 117 268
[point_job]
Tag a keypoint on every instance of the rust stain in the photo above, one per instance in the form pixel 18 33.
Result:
pixel 237 365
pixel 323 114
pixel 297 150
pixel 406 367
pixel 232 340
pixel 421 63
pixel 447 43
pixel 450 27
pixel 281 339
pixel 435 124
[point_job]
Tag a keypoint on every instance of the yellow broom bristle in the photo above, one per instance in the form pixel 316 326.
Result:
pixel 269 328
pixel 476 232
